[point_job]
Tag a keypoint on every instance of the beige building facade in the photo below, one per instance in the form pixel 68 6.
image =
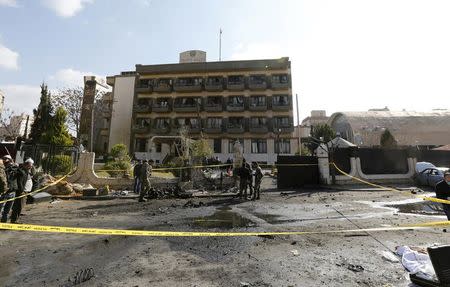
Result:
pixel 249 101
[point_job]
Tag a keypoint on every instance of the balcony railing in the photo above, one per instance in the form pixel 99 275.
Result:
pixel 284 128
pixel 214 84
pixel 160 108
pixel 144 89
pixel 278 84
pixel 162 87
pixel 141 129
pixel 259 129
pixel 235 107
pixel 142 108
pixel 192 85
pixel 235 128
pixel 185 108
pixel 213 129
pixel 280 107
pixel 258 107
pixel 161 129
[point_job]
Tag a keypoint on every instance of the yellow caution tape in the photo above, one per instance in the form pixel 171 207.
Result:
pixel 390 188
pixel 126 232
pixel 35 191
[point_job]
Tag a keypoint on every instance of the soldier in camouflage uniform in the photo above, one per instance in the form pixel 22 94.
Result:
pixel 146 172
pixel 9 170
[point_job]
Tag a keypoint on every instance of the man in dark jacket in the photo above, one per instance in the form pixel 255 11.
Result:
pixel 137 176
pixel 443 192
pixel 245 179
pixel 258 174
pixel 25 183
pixel 146 172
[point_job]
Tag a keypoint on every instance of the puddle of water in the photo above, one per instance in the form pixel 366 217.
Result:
pixel 423 207
pixel 223 218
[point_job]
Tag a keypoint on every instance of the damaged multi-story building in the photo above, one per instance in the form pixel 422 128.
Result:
pixel 224 102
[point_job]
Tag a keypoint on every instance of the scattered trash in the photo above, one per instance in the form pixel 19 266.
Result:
pixel 355 268
pixel 267 236
pixel 95 214
pixel 245 284
pixel 293 242
pixel 80 277
pixel 415 261
pixel 295 252
pixel 389 256
pixel 190 203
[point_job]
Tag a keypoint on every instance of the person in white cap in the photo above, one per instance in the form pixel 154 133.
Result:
pixel 25 184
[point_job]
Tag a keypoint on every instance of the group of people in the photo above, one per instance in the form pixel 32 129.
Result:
pixel 142 172
pixel 15 180
pixel 250 177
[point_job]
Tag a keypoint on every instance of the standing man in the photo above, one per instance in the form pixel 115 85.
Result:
pixel 3 184
pixel 24 185
pixel 245 179
pixel 11 170
pixel 443 192
pixel 137 176
pixel 257 170
pixel 146 172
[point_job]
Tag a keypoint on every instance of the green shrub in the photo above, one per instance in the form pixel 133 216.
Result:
pixel 59 164
pixel 117 168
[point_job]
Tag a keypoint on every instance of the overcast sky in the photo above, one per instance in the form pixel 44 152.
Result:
pixel 346 54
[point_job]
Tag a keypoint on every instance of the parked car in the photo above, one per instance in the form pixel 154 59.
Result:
pixel 428 174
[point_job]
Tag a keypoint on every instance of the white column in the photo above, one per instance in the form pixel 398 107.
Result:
pixel 324 166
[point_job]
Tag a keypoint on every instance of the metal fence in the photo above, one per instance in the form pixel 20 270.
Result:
pixel 52 159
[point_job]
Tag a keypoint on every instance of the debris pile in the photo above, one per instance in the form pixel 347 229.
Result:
pixel 168 192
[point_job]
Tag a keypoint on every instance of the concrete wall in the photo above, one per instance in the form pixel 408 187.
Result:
pixel 122 111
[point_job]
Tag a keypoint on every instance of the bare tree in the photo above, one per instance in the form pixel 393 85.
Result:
pixel 9 128
pixel 72 100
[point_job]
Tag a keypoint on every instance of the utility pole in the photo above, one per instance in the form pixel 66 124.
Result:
pixel 298 126
pixel 220 44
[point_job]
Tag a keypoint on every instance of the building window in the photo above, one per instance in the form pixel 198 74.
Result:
pixel 141 145
pixel 235 122
pixel 231 143
pixel 282 122
pixel 189 81
pixel 280 79
pixel 257 101
pixel 162 123
pixel 235 80
pixel 258 122
pixel 214 123
pixel 236 101
pixel 217 145
pixel 258 79
pixel 214 101
pixel 280 100
pixel 283 146
pixel 158 147
pixel 259 146
pixel 162 102
pixel 142 122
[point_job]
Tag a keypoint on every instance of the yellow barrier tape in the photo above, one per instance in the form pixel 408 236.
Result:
pixel 35 191
pixel 390 188
pixel 126 232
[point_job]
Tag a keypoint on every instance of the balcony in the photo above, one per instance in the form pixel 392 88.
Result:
pixel 283 129
pixel 236 83
pixel 141 129
pixel 214 104
pixel 161 128
pixel 142 89
pixel 281 103
pixel 235 104
pixel 235 129
pixel 280 82
pixel 258 82
pixel 214 84
pixel 258 129
pixel 188 85
pixel 187 105
pixel 258 103
pixel 213 130
pixel 163 86
pixel 141 108
pixel 161 107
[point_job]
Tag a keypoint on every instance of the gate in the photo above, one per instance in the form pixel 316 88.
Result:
pixel 297 171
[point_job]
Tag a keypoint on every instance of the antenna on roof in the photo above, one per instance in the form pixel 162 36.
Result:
pixel 220 44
